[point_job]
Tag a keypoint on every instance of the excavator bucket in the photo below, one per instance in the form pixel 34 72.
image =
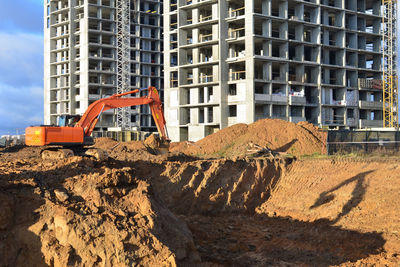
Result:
pixel 163 147
pixel 97 153
pixel 157 145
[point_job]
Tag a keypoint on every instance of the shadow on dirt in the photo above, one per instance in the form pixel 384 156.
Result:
pixel 18 245
pixel 12 149
pixel 356 196
pixel 238 240
pixel 218 199
pixel 230 190
pixel 286 147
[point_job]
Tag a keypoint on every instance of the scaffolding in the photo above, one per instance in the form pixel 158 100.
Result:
pixel 123 58
pixel 390 90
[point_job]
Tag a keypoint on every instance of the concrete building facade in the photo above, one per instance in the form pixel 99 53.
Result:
pixel 236 61
pixel 80 55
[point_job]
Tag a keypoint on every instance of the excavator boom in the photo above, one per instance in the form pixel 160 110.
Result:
pixel 92 114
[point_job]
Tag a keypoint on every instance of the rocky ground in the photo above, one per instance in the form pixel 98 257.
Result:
pixel 220 206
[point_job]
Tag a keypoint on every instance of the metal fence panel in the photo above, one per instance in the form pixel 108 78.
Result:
pixel 346 141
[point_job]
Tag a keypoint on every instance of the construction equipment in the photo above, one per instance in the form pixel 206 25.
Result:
pixel 390 90
pixel 66 140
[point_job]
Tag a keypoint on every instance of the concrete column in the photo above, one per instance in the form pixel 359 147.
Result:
pixel 221 113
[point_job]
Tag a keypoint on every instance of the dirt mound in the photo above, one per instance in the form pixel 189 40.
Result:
pixel 147 210
pixel 276 135
pixel 80 212
pixel 132 150
pixel 105 143
pixel 213 186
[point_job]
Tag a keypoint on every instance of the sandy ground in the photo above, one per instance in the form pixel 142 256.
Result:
pixel 178 209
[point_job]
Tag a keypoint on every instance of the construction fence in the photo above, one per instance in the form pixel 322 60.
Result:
pixel 123 136
pixel 346 141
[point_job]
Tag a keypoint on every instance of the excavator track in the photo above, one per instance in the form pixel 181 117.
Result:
pixel 57 153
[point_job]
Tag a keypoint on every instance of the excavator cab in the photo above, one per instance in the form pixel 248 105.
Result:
pixel 68 120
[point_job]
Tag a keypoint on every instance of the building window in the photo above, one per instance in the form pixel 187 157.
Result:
pixel 232 89
pixel 350 113
pixel 232 111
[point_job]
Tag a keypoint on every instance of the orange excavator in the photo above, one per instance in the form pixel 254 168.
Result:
pixel 65 140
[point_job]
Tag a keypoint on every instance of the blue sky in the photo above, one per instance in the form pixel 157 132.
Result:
pixel 21 64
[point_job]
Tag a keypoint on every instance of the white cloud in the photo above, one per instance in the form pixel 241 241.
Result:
pixel 20 107
pixel 21 59
pixel 21 81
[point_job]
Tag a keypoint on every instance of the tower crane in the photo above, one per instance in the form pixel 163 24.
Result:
pixel 390 89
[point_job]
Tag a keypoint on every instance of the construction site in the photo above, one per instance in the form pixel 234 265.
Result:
pixel 245 196
pixel 274 139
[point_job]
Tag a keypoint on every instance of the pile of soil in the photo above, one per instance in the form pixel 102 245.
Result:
pixel 124 151
pixel 277 135
pixel 80 212
pixel 141 209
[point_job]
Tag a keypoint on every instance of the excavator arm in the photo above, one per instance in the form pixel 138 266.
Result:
pixel 79 134
pixel 90 118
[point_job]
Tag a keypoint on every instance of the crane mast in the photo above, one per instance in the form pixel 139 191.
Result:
pixel 390 90
pixel 123 12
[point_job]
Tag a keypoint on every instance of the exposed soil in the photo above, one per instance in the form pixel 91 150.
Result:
pixel 277 135
pixel 137 208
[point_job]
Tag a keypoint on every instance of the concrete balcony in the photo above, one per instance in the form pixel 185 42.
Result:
pixel 371 123
pixel 109 111
pixel 262 98
pixel 279 98
pixel 297 100
pixel 102 123
pixel 93 96
pixel 351 122
pixel 370 105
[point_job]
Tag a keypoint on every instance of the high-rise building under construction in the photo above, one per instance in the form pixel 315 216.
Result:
pixel 237 61
pixel 96 48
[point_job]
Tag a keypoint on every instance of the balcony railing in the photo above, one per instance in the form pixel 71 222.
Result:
pixel 236 33
pixel 206 37
pixel 174 6
pixel 174 44
pixel 204 78
pixel 237 12
pixel 202 19
pixel 174 83
pixel 174 26
pixel 237 75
